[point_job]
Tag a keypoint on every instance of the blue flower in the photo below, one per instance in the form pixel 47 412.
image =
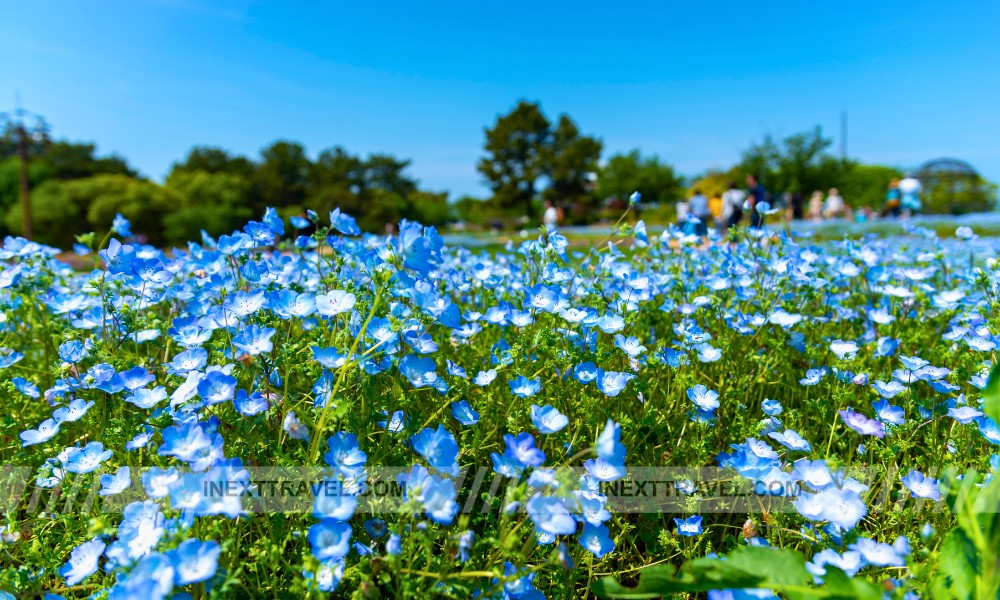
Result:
pixel 45 431
pixel 525 388
pixel 345 455
pixel 771 407
pixel 547 419
pixel 439 449
pixel 86 459
pixel 703 398
pixel 217 387
pixel 522 448
pixel 330 539
pixel 888 413
pixel 254 340
pixel 344 223
pixel 921 486
pixel 394 424
pixel 550 515
pixel 194 561
pixel 596 539
pixel 611 383
pixel 116 483
pixel 464 413
pixel 689 527
pixel 862 424
pixel 251 404
pixel 82 561
pixel 484 378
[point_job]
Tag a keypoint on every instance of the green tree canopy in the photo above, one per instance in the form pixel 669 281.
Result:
pixel 630 172
pixel 570 161
pixel 515 154
pixel 211 159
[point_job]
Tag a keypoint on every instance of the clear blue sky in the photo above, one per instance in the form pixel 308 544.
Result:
pixel 694 82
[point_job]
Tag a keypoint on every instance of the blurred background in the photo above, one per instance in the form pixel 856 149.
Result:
pixel 191 115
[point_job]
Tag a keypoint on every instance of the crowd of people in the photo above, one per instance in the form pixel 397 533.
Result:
pixel 728 209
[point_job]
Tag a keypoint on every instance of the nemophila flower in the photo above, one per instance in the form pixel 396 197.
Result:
pixel 296 429
pixel 921 486
pixel 330 539
pixel 770 407
pixel 840 506
pixel 419 371
pixel 523 387
pixel 464 413
pixel 611 323
pixel 217 387
pixel 888 389
pixel 394 424
pixel 760 448
pixel 631 345
pixel 707 353
pixel 439 449
pixel 197 444
pixel 586 372
pixel 596 539
pixel 136 378
pixel 611 383
pixel 791 439
pixel 82 562
pixel 345 455
pixel 964 414
pixel 335 303
pixel 862 424
pixel 289 304
pixel 333 501
pixel 850 562
pixel 147 398
pixel 344 223
pixel 703 398
pixel 989 430
pixel 86 459
pixel 250 404
pixel 813 376
pixel 141 529
pixel 888 413
pixel 141 439
pixel 547 419
pixel 115 483
pixel 523 449
pixel 45 432
pixel 26 387
pixel 484 378
pixel 550 515
pixel 815 473
pixel 845 350
pixel 72 351
pixel 688 527
pixel 506 465
pixel 255 340
pixel 878 554
pixel 192 359
pixel 437 495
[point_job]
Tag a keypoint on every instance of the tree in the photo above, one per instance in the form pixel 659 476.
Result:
pixel 73 160
pixel 515 148
pixel 570 160
pixel 210 159
pixel 626 173
pixel 282 178
pixel 213 202
pixel 62 209
pixel 798 164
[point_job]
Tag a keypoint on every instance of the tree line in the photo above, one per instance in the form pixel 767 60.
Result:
pixel 528 159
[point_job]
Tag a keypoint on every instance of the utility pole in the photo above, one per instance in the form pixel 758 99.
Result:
pixel 25 139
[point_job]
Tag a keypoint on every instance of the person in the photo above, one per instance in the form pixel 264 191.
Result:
pixel 698 206
pixel 796 206
pixel 909 195
pixel 755 196
pixel 732 206
pixel 892 205
pixel 835 207
pixel 715 207
pixel 683 211
pixel 816 207
pixel 550 218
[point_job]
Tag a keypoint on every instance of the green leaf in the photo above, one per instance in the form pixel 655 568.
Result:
pixel 958 563
pixel 839 586
pixel 991 394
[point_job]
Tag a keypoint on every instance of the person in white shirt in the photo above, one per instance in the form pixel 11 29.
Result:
pixel 909 195
pixel 732 206
pixel 550 218
pixel 835 206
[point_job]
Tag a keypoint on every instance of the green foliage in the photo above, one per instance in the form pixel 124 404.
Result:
pixel 209 201
pixel 747 567
pixel 969 558
pixel 515 148
pixel 570 161
pixel 958 196
pixel 630 172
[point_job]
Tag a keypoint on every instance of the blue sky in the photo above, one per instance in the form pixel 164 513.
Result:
pixel 693 82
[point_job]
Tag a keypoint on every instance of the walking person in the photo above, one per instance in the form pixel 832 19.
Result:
pixel 698 206
pixel 816 207
pixel 835 207
pixel 732 206
pixel 909 195
pixel 892 200
pixel 550 218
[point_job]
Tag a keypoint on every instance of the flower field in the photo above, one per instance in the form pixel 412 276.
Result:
pixel 300 410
